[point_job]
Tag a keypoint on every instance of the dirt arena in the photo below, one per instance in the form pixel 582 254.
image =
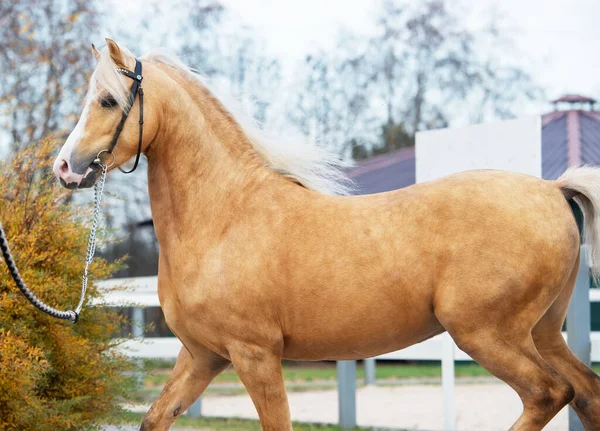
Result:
pixel 484 405
pixel 490 407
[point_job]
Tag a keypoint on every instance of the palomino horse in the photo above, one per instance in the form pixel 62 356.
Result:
pixel 257 263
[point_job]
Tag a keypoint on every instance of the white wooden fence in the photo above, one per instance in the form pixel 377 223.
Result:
pixel 429 350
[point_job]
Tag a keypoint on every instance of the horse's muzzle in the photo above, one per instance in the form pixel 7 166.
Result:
pixel 91 176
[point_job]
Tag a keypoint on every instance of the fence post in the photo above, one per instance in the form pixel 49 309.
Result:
pixel 137 322
pixel 370 370
pixel 346 374
pixel 137 331
pixel 448 382
pixel 578 324
pixel 195 410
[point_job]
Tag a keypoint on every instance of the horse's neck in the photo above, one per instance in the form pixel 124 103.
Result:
pixel 201 167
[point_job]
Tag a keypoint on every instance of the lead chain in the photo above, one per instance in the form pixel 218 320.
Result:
pixel 91 247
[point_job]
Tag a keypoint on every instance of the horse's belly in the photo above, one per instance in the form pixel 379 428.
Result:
pixel 358 338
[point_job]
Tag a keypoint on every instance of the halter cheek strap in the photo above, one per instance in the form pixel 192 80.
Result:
pixel 136 89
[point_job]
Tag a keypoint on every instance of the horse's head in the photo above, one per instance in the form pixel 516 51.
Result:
pixel 109 95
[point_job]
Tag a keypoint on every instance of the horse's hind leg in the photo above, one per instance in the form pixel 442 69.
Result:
pixel 504 346
pixel 189 379
pixel 586 383
pixel 552 347
pixel 516 361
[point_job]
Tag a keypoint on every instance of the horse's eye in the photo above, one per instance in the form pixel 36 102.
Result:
pixel 108 101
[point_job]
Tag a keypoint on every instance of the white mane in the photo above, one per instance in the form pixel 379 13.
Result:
pixel 312 166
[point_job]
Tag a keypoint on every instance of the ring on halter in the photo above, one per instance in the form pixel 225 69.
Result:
pixel 98 161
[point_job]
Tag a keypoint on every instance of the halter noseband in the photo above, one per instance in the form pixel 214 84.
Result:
pixel 136 89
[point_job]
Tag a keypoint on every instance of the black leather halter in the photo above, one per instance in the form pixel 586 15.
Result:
pixel 136 89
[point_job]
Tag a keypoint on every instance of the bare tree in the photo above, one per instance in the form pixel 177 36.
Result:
pixel 332 102
pixel 448 67
pixel 387 55
pixel 422 69
pixel 45 59
pixel 198 33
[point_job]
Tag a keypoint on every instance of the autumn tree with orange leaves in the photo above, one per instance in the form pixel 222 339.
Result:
pixel 53 375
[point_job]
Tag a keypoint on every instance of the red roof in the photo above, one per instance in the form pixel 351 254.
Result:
pixel 574 98
pixel 568 138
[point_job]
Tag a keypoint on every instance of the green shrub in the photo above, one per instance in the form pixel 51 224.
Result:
pixel 53 375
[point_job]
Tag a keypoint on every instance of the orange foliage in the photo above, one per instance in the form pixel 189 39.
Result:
pixel 53 375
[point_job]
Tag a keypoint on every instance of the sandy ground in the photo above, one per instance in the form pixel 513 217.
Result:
pixel 489 407
pixel 486 406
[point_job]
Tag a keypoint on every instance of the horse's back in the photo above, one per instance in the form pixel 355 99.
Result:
pixel 502 212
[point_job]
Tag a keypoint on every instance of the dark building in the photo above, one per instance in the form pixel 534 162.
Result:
pixel 570 137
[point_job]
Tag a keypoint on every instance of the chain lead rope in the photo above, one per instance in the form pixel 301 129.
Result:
pixel 71 315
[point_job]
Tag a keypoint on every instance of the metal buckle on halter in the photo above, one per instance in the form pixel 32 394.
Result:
pixel 130 74
pixel 98 160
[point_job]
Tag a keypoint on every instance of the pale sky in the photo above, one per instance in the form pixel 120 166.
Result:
pixel 558 40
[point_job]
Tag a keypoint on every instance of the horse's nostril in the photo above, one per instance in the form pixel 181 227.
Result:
pixel 64 166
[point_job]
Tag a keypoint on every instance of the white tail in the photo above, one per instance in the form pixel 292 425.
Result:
pixel 583 185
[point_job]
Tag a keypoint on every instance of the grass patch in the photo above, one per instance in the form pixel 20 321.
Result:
pixel 319 372
pixel 157 372
pixel 225 424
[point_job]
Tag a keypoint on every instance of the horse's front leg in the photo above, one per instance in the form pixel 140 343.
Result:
pixel 259 369
pixel 190 377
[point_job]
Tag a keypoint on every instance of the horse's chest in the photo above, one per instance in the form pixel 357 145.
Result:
pixel 177 303
pixel 190 310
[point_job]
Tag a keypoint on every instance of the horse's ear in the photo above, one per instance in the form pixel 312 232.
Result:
pixel 95 52
pixel 115 53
